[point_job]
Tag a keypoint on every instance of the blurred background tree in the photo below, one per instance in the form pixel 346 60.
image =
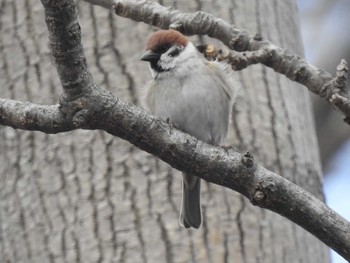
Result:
pixel 325 30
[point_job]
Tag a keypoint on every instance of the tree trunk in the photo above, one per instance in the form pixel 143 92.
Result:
pixel 85 196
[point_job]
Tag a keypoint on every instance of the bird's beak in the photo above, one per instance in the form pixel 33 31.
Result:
pixel 150 55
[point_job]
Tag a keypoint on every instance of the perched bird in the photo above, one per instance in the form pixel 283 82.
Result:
pixel 194 94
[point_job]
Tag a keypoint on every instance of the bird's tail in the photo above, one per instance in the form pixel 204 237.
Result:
pixel 191 215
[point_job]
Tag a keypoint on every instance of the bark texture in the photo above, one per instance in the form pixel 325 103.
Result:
pixel 84 196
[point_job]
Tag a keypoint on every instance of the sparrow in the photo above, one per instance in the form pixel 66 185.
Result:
pixel 195 95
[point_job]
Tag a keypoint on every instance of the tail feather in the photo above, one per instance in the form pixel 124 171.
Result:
pixel 191 215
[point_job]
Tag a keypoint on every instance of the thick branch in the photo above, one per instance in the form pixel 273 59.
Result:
pixel 255 49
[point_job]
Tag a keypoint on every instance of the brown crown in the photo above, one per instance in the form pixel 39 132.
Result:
pixel 166 37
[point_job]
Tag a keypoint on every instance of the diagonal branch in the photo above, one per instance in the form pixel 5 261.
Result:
pixel 84 105
pixel 254 49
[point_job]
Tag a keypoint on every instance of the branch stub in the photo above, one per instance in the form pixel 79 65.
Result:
pixel 118 8
pixel 248 161
pixel 258 37
pixel 258 197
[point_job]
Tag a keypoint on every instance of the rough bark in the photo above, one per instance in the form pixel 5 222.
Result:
pixel 84 196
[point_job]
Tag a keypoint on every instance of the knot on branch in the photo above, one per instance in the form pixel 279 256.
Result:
pixel 80 118
pixel 261 194
pixel 119 9
pixel 76 111
pixel 301 74
pixel 258 197
pixel 248 162
pixel 238 43
pixel 257 37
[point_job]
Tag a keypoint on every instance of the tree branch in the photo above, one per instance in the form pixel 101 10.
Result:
pixel 252 49
pixel 29 116
pixel 66 48
pixel 84 105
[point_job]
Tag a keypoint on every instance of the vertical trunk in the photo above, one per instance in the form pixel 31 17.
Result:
pixel 84 196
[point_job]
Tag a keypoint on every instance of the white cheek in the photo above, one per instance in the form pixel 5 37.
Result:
pixel 167 62
pixel 186 60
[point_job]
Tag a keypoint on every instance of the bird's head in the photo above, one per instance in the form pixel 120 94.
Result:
pixel 167 50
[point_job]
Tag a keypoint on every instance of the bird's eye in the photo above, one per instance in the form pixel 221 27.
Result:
pixel 174 52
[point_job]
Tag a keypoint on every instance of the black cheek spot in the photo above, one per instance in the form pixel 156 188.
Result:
pixel 175 52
